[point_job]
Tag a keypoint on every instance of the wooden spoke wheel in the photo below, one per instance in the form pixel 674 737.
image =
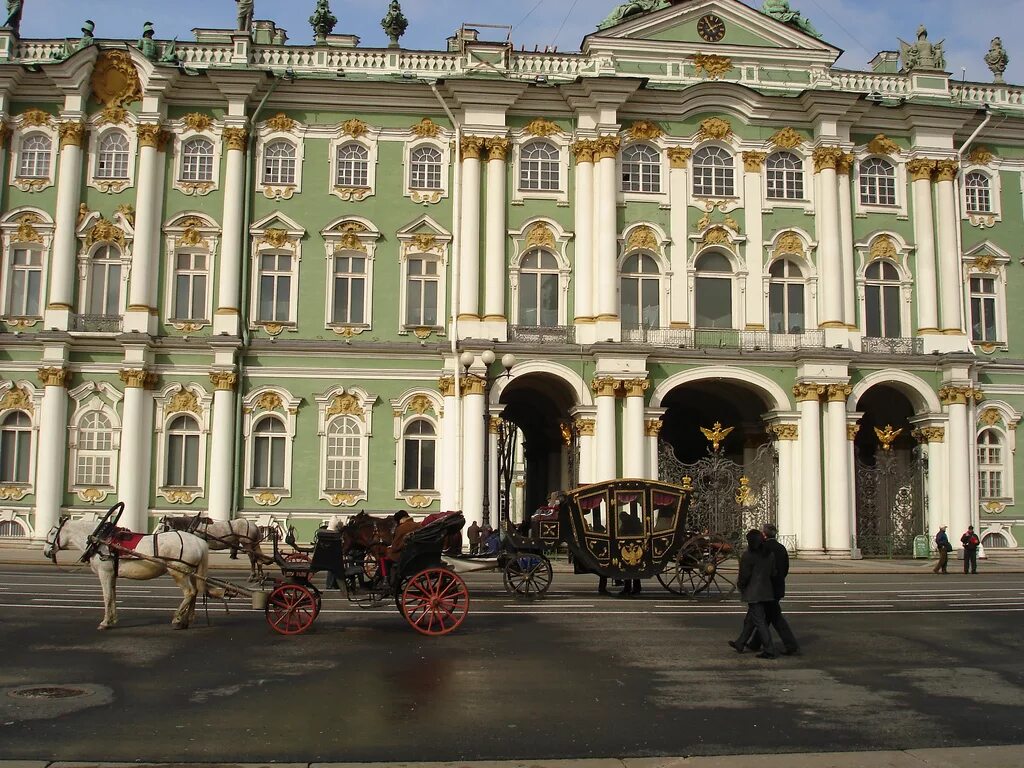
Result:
pixel 292 608
pixel 435 601
pixel 705 568
pixel 527 575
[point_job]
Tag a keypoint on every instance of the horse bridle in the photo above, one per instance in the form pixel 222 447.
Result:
pixel 54 544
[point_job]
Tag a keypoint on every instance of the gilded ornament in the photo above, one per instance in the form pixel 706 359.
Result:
pixel 493 425
pixel 981 156
pixel 266 498
pixel 71 134
pixel 584 150
pixel 149 135
pixel 887 436
pixel 565 429
pixel 921 169
pixel 183 401
pixel 115 81
pixel 197 121
pixel 105 231
pixel 273 329
pixel 607 147
pixel 180 496
pixel 635 387
pixel 826 158
pixel 91 495
pixel 947 170
pixel 785 431
pixel 678 157
pixel 113 115
pixel 472 147
pixel 540 236
pixel 652 427
pixel 18 399
pixel 192 237
pixel 587 427
pixel 712 65
pixel 53 377
pixel 497 148
pixel 716 434
pixel 196 187
pixel 343 500
pixel 422 332
pixel 852 430
pixel 269 401
pixel 423 243
pixel 837 393
pixel 355 128
pixel 280 123
pixel 990 416
pixel 419 501
pixel 604 386
pixel 995 508
pixel 223 381
pixel 787 138
pixel 35 118
pixel 933 434
pixel 276 238
pixel 744 494
pixel 13 492
pixel 716 236
pixel 645 130
pixel 137 378
pixel 753 162
pixel 26 232
pixel 790 242
pixel 632 554
pixel 446 386
pixel 642 238
pixel 883 247
pixel 236 138
pixel 714 128
pixel 808 391
pixel 83 213
pixel 345 405
pixel 845 163
pixel 985 263
pixel 541 126
pixel 883 145
pixel 426 129
pixel 420 404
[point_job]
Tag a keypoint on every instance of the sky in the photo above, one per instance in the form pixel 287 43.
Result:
pixel 860 27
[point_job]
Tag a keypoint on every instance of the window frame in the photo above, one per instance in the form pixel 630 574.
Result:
pixel 189 232
pixel 335 405
pixel 275 235
pixel 982 219
pixel 791 262
pixel 22 432
pixel 173 402
pixel 736 278
pixel 368 143
pixel 90 397
pixel 543 168
pixel 1001 469
pixel 658 163
pixel 659 277
pixel 883 284
pixel 402 427
pixel 197 187
pixel 423 195
pixel 415 242
pixel 788 174
pixel 24 229
pixel 88 276
pixel 862 208
pixel 560 142
pixel 730 171
pixel 98 133
pixel 356 236
pixel 261 403
pixel 280 128
pixel 25 128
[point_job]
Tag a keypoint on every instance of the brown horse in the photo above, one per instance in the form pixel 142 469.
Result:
pixel 370 535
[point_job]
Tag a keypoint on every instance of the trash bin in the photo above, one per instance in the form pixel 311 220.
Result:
pixel 922 547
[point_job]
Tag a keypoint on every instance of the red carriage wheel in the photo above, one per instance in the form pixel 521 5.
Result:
pixel 291 609
pixel 435 601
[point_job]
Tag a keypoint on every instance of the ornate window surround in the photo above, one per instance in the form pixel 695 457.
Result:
pixel 440 143
pixel 547 235
pixel 31 228
pixel 193 232
pixel 23 397
pixel 173 401
pixel 277 402
pixel 1003 419
pixel 98 129
pixel 783 246
pixel 275 233
pixel 95 232
pixel 898 161
pixel 345 402
pixel 352 234
pixel 29 122
pixel 416 405
pixel 562 141
pixel 88 397
pixel 876 247
pixel 995 191
pixel 989 261
pixel 22 517
pixel 424 237
pixel 280 128
pixel 368 138
pixel 808 201
pixel 725 203
pixel 194 126
pixel 722 239
pixel 659 145
pixel 649 239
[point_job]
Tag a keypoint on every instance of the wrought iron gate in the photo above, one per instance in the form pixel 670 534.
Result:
pixel 890 497
pixel 728 498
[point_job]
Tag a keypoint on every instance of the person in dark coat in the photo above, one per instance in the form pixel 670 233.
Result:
pixel 757 569
pixel 971 542
pixel 473 534
pixel 775 617
pixel 943 547
pixel 630 524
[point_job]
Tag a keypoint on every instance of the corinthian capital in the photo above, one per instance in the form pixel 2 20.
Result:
pixel 472 147
pixel 839 392
pixel 53 377
pixel 827 157
pixel 223 381
pixel 636 387
pixel 605 386
pixel 236 138
pixel 584 151
pixel 607 147
pixel 806 391
pixel 946 170
pixel 497 148
pixel 71 134
pixel 921 169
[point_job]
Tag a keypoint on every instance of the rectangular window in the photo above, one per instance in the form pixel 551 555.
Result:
pixel 421 292
pixel 92 470
pixel 419 465
pixel 349 290
pixel 26 280
pixel 183 461
pixel 714 302
pixel 983 309
pixel 14 450
pixel 268 463
pixel 275 289
pixel 190 280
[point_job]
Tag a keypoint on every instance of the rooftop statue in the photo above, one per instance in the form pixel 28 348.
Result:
pixel 997 59
pixel 394 23
pixel 13 22
pixel 780 11
pixel 923 54
pixel 322 21
pixel 151 49
pixel 245 11
pixel 84 41
pixel 632 8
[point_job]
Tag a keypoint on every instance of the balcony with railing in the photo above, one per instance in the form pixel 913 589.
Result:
pixel 724 338
pixel 539 334
pixel 892 346
pixel 96 323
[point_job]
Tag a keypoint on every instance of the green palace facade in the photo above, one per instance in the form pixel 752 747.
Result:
pixel 245 278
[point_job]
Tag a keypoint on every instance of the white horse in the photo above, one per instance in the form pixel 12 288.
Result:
pixel 184 556
pixel 237 534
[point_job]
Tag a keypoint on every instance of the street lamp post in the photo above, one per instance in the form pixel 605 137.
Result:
pixel 487 358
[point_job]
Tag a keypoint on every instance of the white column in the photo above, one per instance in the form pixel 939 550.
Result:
pixel 786 435
pixel 949 256
pixel 679 193
pixel 846 237
pixel 222 445
pixel 50 457
pixel 652 431
pixel 62 268
pixel 449 448
pixel 145 248
pixel 937 478
pixel 492 472
pixel 958 463
pixel 634 462
pixel 605 437
pixel 584 240
pixel 830 303
pixel 606 231
pixel 473 449
pixel 229 272
pixel 753 163
pixel 838 514
pixel 924 236
pixel 587 429
pixel 469 278
pixel 810 532
pixel 136 437
pixel 496 274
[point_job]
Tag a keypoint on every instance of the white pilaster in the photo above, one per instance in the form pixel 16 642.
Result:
pixel 679 194
pixel 222 445
pixel 753 163
pixel 53 421
pixel 473 450
pixel 145 248
pixel 634 462
pixel 584 240
pixel 605 435
pixel 785 444
pixel 227 317
pixel 469 265
pixel 496 274
pixel 607 246
pixel 69 184
pixel 958 461
pixel 838 513
pixel 136 438
pixel 449 449
pixel 810 527
pixel 846 238
pixel 493 498
pixel 830 305
pixel 587 429
pixel 924 237
pixel 937 478
pixel 949 257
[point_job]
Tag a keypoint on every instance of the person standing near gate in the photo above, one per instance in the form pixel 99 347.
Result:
pixel 944 548
pixel 970 541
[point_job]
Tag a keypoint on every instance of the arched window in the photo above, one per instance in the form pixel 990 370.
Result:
pixel 183 453
pixel 105 282
pixel 95 456
pixel 353 166
pixel 538 289
pixel 713 173
pixel 197 160
pixel 344 455
pixel 15 448
pixel 191 277
pixel 990 465
pixel 11 529
pixel 419 454
pixel 349 289
pixel 995 541
pixel 279 163
pixel 978 188
pixel 882 300
pixel 425 168
pixel 34 162
pixel 713 291
pixel 877 182
pixel 422 281
pixel 640 292
pixel 268 454
pixel 786 298
pixel 112 159
pixel 785 176
pixel 25 282
pixel 539 167
pixel 641 169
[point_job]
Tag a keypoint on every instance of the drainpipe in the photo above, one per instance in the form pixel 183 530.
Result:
pixel 453 320
pixel 244 297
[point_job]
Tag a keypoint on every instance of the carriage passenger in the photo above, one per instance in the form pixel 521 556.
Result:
pixel 404 525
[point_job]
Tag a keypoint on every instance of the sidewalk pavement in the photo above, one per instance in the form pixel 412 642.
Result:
pixel 958 757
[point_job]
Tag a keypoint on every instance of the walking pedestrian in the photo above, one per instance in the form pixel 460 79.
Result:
pixel 943 547
pixel 757 568
pixel 970 541
pixel 775 617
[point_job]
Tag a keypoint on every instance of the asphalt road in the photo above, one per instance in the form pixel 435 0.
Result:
pixel 889 662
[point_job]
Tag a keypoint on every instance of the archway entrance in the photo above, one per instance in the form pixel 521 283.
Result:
pixel 534 456
pixel 713 433
pixel 891 475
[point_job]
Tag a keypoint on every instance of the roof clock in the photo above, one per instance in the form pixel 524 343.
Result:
pixel 711 28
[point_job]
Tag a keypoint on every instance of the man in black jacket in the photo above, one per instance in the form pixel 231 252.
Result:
pixel 774 611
